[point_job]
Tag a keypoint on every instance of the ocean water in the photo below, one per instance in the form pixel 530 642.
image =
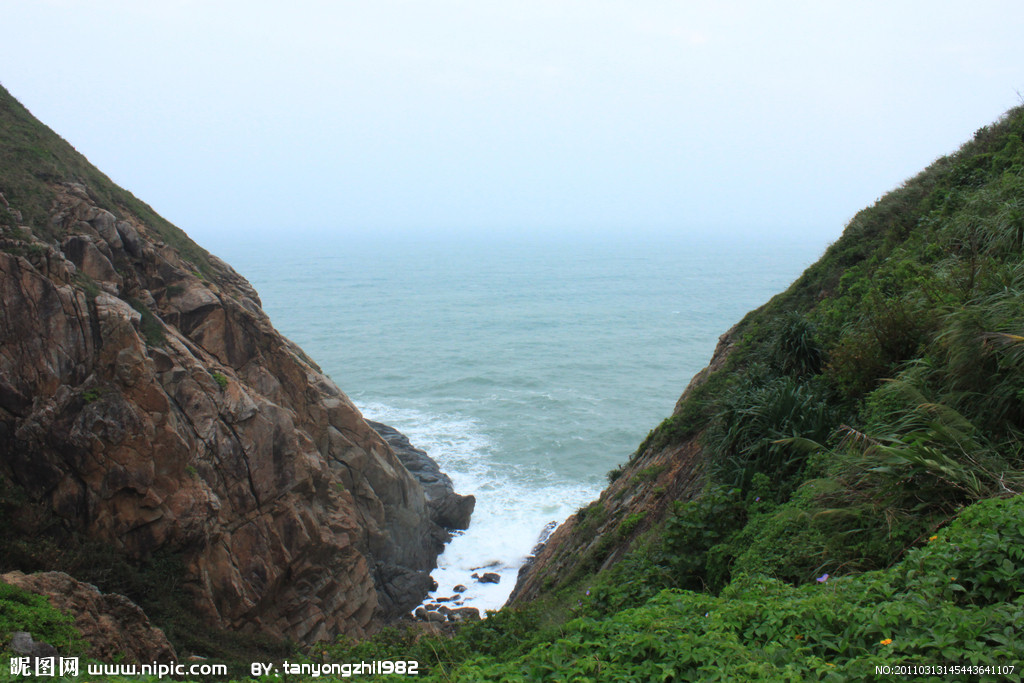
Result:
pixel 527 367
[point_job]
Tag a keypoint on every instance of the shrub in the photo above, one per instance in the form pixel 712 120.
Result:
pixel 627 525
pixel 694 529
pixel 220 379
pixel 794 348
pixel 24 611
pixel 613 474
pixel 754 420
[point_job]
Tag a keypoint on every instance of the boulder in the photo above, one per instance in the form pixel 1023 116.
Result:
pixel 23 644
pixel 488 577
pixel 400 588
pixel 464 614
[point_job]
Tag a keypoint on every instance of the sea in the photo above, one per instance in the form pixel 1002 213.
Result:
pixel 527 366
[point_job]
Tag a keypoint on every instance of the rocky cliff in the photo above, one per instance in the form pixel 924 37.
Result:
pixel 147 401
pixel 447 508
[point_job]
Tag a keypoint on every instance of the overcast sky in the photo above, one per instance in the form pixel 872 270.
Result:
pixel 231 118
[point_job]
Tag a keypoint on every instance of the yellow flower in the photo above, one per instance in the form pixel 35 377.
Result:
pixel 887 641
pixel 952 578
pixel 933 538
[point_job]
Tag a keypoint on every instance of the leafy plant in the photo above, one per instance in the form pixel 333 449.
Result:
pixel 24 611
pixel 756 418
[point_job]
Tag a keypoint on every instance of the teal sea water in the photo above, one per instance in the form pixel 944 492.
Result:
pixel 527 367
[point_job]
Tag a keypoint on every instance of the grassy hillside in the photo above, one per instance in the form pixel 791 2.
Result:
pixel 853 419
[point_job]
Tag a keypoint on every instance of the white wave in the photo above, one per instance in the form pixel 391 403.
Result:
pixel 513 503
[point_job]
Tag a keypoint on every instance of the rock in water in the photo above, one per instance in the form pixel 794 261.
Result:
pixel 447 508
pixel 488 577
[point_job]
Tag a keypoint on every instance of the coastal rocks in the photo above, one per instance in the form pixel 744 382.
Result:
pixel 542 540
pixel 443 613
pixel 147 402
pixel 447 508
pixel 487 577
pixel 453 511
pixel 403 587
pixel 464 614
pixel 115 628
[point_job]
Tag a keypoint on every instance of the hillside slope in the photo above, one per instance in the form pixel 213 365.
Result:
pixel 866 404
pixel 159 437
pixel 836 493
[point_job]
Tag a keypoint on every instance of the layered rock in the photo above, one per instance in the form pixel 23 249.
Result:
pixel 115 627
pixel 148 402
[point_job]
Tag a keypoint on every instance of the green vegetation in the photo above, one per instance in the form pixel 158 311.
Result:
pixel 92 290
pixel 938 606
pixel 649 473
pixel 220 379
pixel 24 611
pixel 957 599
pixel 864 459
pixel 152 328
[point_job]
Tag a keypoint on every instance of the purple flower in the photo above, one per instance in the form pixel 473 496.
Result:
pixel 758 499
pixel 822 579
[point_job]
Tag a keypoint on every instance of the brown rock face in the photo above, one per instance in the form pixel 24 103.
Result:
pixel 114 626
pixel 148 401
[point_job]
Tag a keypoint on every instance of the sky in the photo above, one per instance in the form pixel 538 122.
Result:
pixel 234 119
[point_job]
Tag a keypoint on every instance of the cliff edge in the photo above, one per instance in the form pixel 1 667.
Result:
pixel 147 403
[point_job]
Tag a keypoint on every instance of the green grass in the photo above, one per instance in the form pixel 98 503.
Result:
pixel 956 598
pixel 220 379
pixel 24 611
